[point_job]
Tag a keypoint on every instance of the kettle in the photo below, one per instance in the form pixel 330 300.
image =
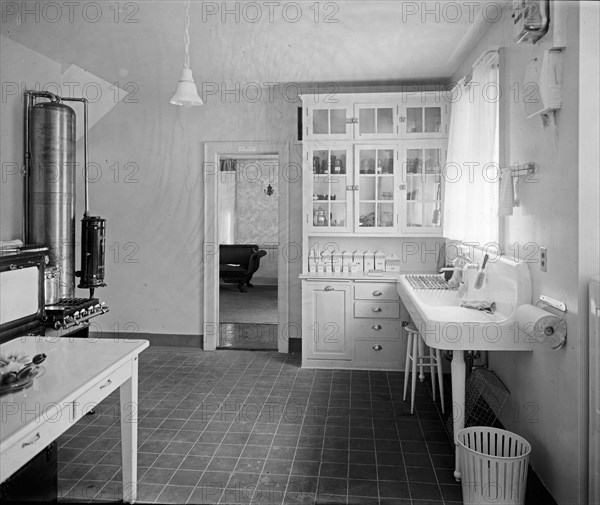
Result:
pixel 319 218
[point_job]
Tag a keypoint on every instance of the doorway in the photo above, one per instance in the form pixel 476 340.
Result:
pixel 248 237
pixel 214 153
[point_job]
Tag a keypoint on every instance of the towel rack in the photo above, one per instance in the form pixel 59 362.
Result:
pixel 522 170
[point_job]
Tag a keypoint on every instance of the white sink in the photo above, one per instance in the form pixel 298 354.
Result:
pixel 444 324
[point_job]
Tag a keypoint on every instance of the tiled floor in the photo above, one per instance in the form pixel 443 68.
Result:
pixel 254 427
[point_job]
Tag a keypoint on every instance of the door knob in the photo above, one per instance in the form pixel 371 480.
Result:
pixel 376 309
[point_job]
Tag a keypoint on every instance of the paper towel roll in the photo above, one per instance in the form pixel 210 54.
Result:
pixel 541 326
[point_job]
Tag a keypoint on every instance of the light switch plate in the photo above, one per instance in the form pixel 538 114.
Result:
pixel 543 259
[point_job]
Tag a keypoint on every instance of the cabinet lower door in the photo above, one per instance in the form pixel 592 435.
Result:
pixel 326 312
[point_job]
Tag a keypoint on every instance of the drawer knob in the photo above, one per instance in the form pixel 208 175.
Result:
pixel 377 293
pixel 35 439
pixel 328 288
pixel 377 347
pixel 376 309
pixel 376 327
pixel 106 384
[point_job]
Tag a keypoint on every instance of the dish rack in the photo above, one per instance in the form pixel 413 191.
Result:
pixel 427 281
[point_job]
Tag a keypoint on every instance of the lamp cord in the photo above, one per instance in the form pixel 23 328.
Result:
pixel 186 62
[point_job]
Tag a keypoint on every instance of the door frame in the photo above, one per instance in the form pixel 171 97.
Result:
pixel 213 151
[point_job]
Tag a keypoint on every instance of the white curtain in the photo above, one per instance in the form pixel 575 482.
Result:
pixel 226 199
pixel 472 165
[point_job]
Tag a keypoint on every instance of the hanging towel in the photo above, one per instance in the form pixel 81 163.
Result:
pixel 507 195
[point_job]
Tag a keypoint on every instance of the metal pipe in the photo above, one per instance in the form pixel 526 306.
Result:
pixel 85 150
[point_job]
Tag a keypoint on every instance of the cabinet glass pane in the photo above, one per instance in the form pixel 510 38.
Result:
pixel 385 215
pixel 414 161
pixel 413 188
pixel 432 214
pixel 367 161
pixel 338 121
pixel 385 188
pixel 337 187
pixel 320 162
pixel 385 120
pixel 329 121
pixel 414 119
pixel 320 121
pixel 366 188
pixel 385 161
pixel 431 189
pixel 433 119
pixel 414 214
pixel 367 216
pixel 366 121
pixel 320 214
pixel 337 214
pixel 433 161
pixel 338 162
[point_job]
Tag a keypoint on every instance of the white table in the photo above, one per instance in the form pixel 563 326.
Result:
pixel 78 374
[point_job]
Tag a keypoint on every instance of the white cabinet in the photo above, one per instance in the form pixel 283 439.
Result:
pixel 422 162
pixel 375 116
pixel 326 311
pixel 423 116
pixel 372 170
pixel 352 323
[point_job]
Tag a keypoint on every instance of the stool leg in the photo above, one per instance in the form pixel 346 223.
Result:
pixel 407 362
pixel 432 371
pixel 421 353
pixel 440 378
pixel 416 339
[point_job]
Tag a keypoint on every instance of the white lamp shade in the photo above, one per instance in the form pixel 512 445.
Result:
pixel 186 94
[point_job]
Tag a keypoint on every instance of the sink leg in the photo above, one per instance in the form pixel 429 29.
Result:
pixel 458 370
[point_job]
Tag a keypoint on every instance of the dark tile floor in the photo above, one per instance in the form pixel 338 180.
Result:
pixel 254 427
pixel 248 336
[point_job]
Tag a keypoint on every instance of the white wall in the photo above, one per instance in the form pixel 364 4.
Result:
pixel 547 397
pixel 150 190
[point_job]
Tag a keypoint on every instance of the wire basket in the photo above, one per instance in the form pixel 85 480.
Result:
pixel 485 396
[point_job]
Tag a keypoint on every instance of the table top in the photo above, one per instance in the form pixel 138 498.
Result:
pixel 72 365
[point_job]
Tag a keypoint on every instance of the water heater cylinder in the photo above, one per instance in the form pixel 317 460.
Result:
pixel 93 232
pixel 51 188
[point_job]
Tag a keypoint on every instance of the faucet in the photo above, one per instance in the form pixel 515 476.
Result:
pixel 459 263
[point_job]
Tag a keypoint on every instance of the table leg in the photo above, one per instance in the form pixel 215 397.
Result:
pixel 129 413
pixel 458 370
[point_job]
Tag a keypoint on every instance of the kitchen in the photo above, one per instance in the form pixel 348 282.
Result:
pixel 146 157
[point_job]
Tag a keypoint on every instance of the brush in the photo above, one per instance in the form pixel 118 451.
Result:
pixel 480 274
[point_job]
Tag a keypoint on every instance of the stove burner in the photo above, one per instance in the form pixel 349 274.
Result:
pixel 69 312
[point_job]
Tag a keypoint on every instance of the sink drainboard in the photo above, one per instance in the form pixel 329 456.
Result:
pixel 431 281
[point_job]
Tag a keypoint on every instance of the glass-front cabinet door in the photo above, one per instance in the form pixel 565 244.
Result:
pixel 376 201
pixel 328 121
pixel 424 117
pixel 375 121
pixel 330 174
pixel 422 164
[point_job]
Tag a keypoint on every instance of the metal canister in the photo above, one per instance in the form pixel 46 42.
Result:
pixel 51 184
pixel 51 286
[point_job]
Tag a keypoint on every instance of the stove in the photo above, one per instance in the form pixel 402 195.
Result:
pixel 69 312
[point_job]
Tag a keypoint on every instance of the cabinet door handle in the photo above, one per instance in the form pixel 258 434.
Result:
pixel 376 327
pixel 108 383
pixel 376 309
pixel 329 288
pixel 377 293
pixel 377 347
pixel 35 439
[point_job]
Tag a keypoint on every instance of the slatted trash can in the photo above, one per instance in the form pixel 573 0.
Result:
pixel 493 465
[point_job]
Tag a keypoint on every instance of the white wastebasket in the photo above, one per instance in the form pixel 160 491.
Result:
pixel 493 464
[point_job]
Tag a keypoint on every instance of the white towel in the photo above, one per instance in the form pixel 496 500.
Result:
pixel 507 194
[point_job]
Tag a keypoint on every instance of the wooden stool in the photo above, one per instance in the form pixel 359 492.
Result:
pixel 415 355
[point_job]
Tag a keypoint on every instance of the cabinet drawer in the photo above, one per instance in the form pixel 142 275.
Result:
pixel 377 310
pixel 375 291
pixel 377 328
pixel 379 353
pixel 101 390
pixel 51 425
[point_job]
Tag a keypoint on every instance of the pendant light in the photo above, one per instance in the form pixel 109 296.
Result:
pixel 186 94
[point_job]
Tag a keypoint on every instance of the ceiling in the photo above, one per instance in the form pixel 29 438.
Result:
pixel 254 42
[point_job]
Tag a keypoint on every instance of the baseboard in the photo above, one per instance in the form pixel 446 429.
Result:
pixel 160 339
